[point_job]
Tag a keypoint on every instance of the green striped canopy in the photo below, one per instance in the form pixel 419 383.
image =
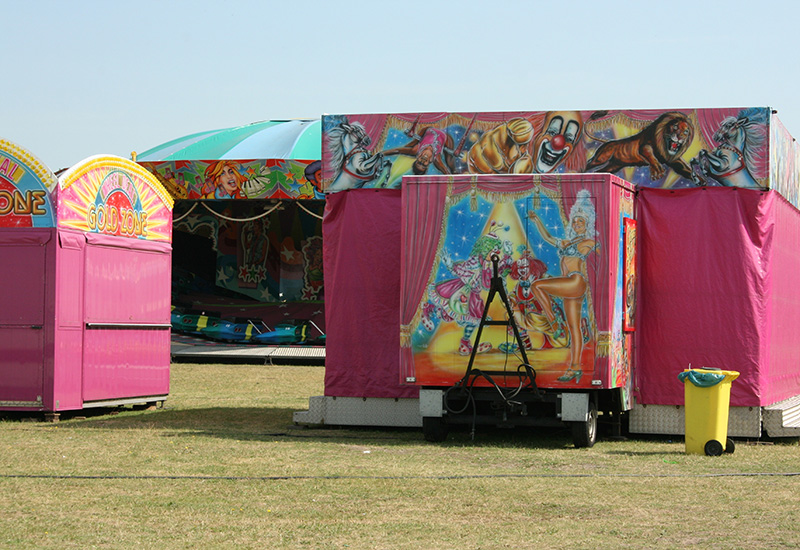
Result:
pixel 273 139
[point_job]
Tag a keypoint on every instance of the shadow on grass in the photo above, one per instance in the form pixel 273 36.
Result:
pixel 267 424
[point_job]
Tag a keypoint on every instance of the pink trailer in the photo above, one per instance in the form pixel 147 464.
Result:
pixel 517 299
pixel 87 265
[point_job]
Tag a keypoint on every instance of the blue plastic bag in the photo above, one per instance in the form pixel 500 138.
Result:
pixel 701 379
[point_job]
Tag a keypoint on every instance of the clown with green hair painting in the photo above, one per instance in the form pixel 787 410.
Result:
pixel 459 299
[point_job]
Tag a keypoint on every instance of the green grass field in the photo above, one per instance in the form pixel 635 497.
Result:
pixel 223 466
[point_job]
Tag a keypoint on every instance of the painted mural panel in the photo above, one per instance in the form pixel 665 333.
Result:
pixel 629 278
pixel 785 162
pixel 26 189
pixel 239 179
pixel 551 236
pixel 624 309
pixel 669 149
pixel 114 196
pixel 272 255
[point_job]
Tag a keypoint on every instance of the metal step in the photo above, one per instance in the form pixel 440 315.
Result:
pixel 782 419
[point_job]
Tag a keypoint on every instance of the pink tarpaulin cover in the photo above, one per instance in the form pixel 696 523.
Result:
pixel 361 251
pixel 718 273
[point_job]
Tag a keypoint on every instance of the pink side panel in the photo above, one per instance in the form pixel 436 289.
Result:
pixel 22 276
pixel 26 265
pixel 361 251
pixel 782 379
pixel 609 228
pixel 69 290
pixel 125 363
pixel 68 360
pixel 614 368
pixel 702 290
pixel 67 375
pixel 127 283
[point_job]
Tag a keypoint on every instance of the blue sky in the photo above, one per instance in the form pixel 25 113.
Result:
pixel 90 77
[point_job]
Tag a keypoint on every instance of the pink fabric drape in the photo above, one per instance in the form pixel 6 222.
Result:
pixel 704 265
pixel 717 272
pixel 361 253
pixel 783 364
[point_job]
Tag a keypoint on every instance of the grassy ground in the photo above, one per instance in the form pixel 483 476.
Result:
pixel 222 466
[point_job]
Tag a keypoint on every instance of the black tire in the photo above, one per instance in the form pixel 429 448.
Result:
pixel 713 448
pixel 730 446
pixel 434 429
pixel 584 434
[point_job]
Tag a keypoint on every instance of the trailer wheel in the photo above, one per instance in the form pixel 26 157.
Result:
pixel 584 434
pixel 434 429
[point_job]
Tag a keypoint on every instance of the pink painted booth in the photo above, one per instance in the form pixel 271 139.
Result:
pixel 86 262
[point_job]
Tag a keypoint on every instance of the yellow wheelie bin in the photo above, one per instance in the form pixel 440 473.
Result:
pixel 708 395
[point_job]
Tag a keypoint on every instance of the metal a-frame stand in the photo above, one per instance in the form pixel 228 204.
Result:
pixel 525 370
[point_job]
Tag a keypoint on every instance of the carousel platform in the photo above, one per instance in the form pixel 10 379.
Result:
pixel 191 349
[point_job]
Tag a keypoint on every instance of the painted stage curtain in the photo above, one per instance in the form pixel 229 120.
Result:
pixel 361 254
pixel 417 226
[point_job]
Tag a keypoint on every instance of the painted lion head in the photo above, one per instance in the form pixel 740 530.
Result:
pixel 674 135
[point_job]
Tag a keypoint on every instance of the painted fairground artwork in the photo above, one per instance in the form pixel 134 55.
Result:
pixel 629 277
pixel 550 238
pixel 624 305
pixel 26 188
pixel 784 162
pixel 667 149
pixel 239 179
pixel 270 256
pixel 113 196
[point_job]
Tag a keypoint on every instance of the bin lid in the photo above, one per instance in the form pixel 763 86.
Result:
pixel 707 377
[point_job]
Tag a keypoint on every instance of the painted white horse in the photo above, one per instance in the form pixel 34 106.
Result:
pixel 738 139
pixel 355 166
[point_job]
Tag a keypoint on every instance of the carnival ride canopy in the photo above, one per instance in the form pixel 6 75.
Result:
pixel 273 139
pixel 267 248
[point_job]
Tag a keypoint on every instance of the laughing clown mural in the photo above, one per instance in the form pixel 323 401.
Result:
pixel 667 149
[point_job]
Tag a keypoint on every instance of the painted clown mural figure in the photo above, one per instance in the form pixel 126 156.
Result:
pixel 459 299
pixel 534 327
pixel 559 136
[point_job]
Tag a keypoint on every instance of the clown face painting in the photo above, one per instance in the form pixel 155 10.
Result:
pixel 562 129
